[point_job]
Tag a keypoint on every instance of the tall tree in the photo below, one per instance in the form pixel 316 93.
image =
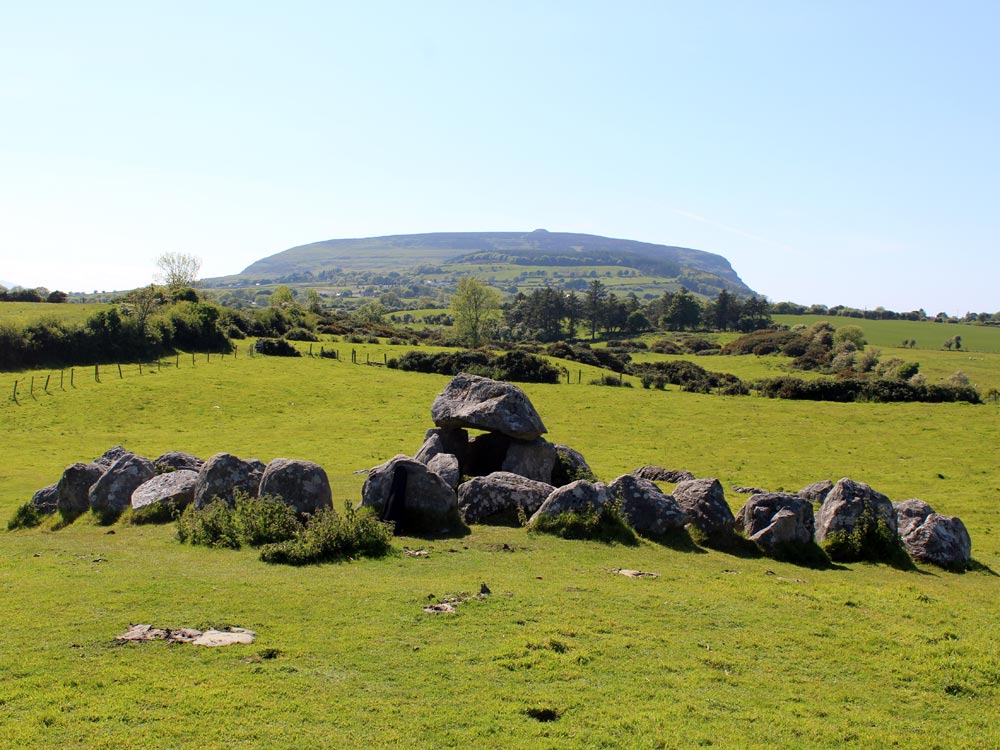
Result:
pixel 593 306
pixel 684 311
pixel 476 308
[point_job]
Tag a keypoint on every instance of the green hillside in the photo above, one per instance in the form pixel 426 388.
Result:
pixel 699 271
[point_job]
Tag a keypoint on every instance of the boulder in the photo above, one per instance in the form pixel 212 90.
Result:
pixel 777 518
pixel 74 488
pixel 645 506
pixel 177 460
pixel 301 484
pixel 438 440
pixel 497 496
pixel 817 491
pixel 660 474
pixel 471 401
pixel 575 496
pixel 910 514
pixel 222 475
pixel 932 537
pixel 46 500
pixel 174 489
pixel 112 493
pixel 704 503
pixel 744 490
pixel 533 460
pixel 405 491
pixel 844 505
pixel 445 465
pixel 110 456
pixel 570 465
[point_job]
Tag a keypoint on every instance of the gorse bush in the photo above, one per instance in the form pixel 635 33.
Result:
pixel 274 526
pixel 611 380
pixel 605 524
pixel 517 366
pixel 331 536
pixel 25 517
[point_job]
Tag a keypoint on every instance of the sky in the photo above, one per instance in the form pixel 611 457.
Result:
pixel 835 152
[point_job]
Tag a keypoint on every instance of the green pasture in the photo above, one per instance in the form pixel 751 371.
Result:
pixel 927 334
pixel 718 650
pixel 20 313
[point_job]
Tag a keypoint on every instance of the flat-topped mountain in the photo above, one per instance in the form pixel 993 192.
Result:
pixel 695 268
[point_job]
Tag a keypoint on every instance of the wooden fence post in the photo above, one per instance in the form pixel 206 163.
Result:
pixel 46 388
pixel 71 378
pixel 192 359
pixel 62 373
pixel 15 392
pixel 140 368
pixel 97 373
pixel 119 372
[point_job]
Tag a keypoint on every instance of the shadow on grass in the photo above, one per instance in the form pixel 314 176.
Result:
pixel 678 540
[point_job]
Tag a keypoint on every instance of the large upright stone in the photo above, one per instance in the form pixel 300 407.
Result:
pixel 932 537
pixel 112 493
pixel 405 491
pixel 471 401
pixel 445 465
pixel 777 518
pixel 222 475
pixel 570 465
pixel 498 496
pixel 534 460
pixel 704 503
pixel 645 506
pixel 301 484
pixel 438 440
pixel 845 504
pixel 74 488
pixel 174 489
pixel 577 496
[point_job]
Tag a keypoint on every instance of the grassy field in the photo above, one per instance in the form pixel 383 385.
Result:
pixel 19 313
pixel 719 650
pixel 892 333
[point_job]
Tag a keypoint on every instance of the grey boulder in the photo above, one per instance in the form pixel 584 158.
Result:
pixel 497 497
pixel 645 506
pixel 445 465
pixel 110 456
pixel 471 401
pixel 533 460
pixel 112 493
pixel 817 491
pixel 438 440
pixel 660 474
pixel 301 484
pixel 845 504
pixel 174 489
pixel 777 518
pixel 704 503
pixel 74 488
pixel 222 475
pixel 177 460
pixel 46 500
pixel 932 537
pixel 577 496
pixel 406 492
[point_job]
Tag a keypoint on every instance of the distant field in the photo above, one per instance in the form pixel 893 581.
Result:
pixel 719 650
pixel 19 313
pixel 928 335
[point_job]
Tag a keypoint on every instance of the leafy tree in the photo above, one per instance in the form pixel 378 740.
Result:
pixel 684 311
pixel 178 269
pixel 853 334
pixel 371 312
pixel 283 298
pixel 574 311
pixel 756 314
pixel 476 307
pixel 724 312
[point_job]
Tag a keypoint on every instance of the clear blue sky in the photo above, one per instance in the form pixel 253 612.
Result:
pixel 836 152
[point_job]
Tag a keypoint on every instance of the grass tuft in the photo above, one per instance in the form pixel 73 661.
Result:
pixel 25 517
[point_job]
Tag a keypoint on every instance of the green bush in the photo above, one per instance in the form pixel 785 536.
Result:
pixel 610 380
pixel 517 366
pixel 212 526
pixel 331 536
pixel 275 348
pixel 871 540
pixel 263 520
pixel 606 525
pixel 25 517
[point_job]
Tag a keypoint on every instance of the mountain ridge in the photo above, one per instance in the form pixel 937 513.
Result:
pixel 706 272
